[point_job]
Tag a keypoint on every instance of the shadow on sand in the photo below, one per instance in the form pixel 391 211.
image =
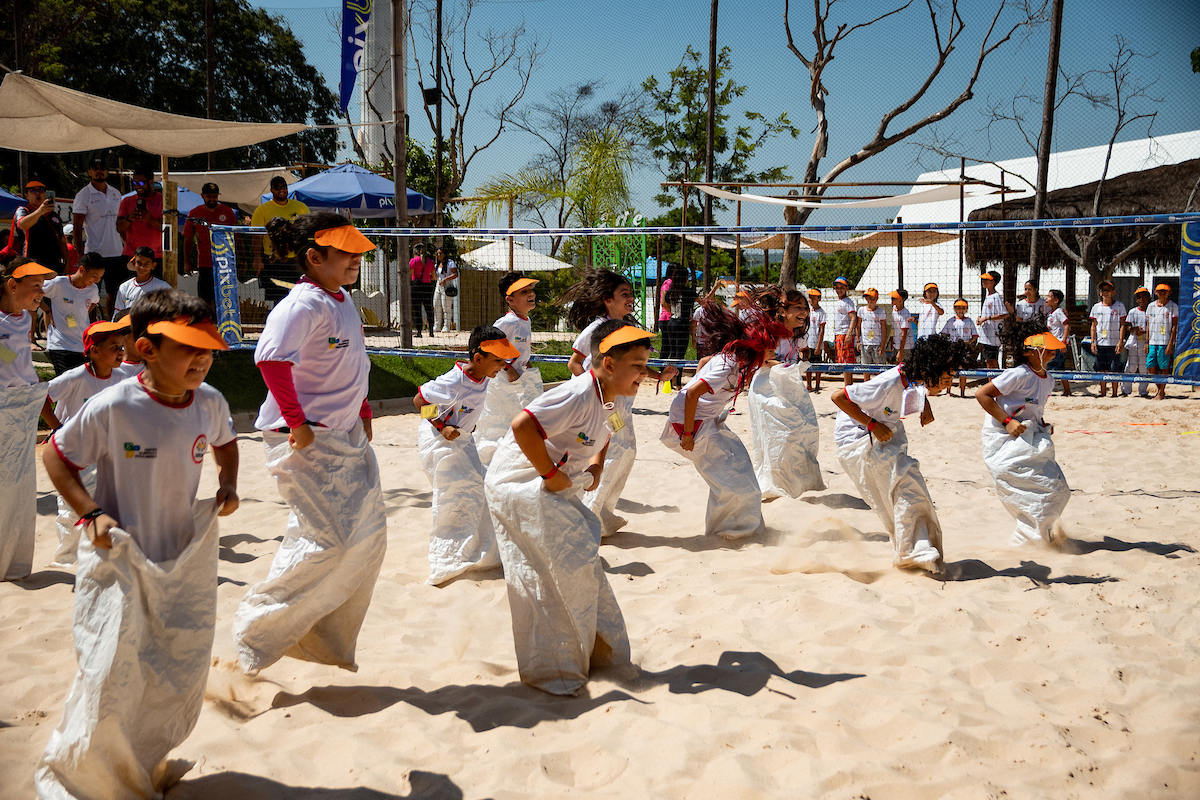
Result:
pixel 239 785
pixel 45 578
pixel 972 569
pixel 1109 544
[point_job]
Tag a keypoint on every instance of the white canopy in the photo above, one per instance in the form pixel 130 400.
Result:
pixel 39 117
pixel 936 195
pixel 494 257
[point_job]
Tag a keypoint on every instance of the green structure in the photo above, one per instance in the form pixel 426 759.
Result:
pixel 626 254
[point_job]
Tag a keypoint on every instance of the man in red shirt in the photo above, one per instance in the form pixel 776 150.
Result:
pixel 195 230
pixel 420 274
pixel 140 219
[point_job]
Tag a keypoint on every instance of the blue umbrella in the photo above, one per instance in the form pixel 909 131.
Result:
pixel 185 199
pixel 9 203
pixel 366 194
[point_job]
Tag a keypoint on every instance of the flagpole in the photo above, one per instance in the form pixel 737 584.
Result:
pixel 400 168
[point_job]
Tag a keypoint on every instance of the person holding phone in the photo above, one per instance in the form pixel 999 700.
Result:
pixel 37 232
pixel 140 219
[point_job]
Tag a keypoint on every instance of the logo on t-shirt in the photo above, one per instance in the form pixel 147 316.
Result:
pixel 1032 400
pixel 137 451
pixel 584 440
pixel 887 410
pixel 338 344
pixel 199 448
pixel 464 410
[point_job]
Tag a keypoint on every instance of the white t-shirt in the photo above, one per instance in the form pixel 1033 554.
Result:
pixel 1023 394
pixel 16 351
pixel 874 325
pixel 816 318
pixel 128 369
pixel 459 397
pixel 583 342
pixel 1137 320
pixel 148 458
pixel 574 422
pixel 720 375
pixel 989 331
pixel 842 310
pixel 131 290
pixel 71 307
pixel 1028 310
pixel 927 320
pixel 901 318
pixel 75 387
pixel 885 399
pixel 100 211
pixel 1160 321
pixel 959 330
pixel 520 333
pixel 788 351
pixel 1056 321
pixel 321 336
pixel 1108 323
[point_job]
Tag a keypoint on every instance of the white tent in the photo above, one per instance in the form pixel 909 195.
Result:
pixel 494 257
pixel 39 117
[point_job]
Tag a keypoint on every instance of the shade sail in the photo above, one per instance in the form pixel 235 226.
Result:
pixel 936 195
pixel 367 194
pixel 39 117
pixel 244 187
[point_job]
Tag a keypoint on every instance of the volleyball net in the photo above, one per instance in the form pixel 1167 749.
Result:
pixel 463 289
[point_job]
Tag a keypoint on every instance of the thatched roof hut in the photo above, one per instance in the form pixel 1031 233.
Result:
pixel 1162 190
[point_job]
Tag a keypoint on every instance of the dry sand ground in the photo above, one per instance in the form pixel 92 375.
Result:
pixel 797 665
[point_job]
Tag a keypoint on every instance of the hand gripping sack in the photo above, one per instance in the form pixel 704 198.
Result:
pixel 1029 482
pixel 505 399
pixel 65 523
pixel 783 432
pixel 618 463
pixel 19 409
pixel 143 636
pixel 315 597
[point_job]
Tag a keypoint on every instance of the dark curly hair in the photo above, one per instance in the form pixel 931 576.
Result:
pixel 299 235
pixel 935 356
pixel 1014 332
pixel 588 296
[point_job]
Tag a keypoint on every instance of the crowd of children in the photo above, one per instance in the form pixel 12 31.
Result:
pixel 523 480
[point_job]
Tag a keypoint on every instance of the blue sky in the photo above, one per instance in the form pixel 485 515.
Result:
pixel 623 42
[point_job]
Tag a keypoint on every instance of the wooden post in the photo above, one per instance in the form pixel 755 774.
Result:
pixel 962 204
pixel 899 255
pixel 737 254
pixel 510 238
pixel 170 226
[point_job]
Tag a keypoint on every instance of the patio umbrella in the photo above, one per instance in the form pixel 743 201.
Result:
pixel 366 194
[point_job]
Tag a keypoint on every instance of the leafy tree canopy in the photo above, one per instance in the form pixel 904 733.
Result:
pixel 152 54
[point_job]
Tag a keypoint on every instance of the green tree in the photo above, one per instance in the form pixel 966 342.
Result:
pixel 152 54
pixel 1196 60
pixel 821 271
pixel 675 132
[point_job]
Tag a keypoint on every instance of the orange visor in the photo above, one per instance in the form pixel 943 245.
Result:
pixel 814 292
pixel 523 283
pixel 625 335
pixel 99 329
pixel 32 268
pixel 501 348
pixel 1046 340
pixel 1162 287
pixel 203 335
pixel 346 238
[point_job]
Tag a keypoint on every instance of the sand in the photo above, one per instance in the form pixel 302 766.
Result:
pixel 800 664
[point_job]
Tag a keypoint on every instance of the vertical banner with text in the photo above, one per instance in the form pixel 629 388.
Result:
pixel 355 16
pixel 1187 340
pixel 229 308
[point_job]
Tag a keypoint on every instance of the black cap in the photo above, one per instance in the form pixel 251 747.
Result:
pixel 278 180
pixel 97 162
pixel 210 188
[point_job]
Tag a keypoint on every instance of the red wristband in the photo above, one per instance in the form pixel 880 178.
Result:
pixel 871 426
pixel 1007 420
pixel 553 471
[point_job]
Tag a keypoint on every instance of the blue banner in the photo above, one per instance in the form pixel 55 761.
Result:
pixel 1187 340
pixel 229 308
pixel 355 16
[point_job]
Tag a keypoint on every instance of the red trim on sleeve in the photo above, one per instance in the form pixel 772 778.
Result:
pixel 278 377
pixel 706 383
pixel 541 430
pixel 67 461
pixel 365 412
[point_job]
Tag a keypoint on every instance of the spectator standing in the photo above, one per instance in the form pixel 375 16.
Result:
pixel 902 338
pixel 1162 317
pixel 69 302
pixel 993 310
pixel 445 296
pixel 1107 318
pixel 1135 329
pixel 421 272
pixel 674 315
pixel 196 230
pixel 140 219
pixel 845 327
pixel 37 232
pixel 873 322
pixel 270 266
pixel 95 210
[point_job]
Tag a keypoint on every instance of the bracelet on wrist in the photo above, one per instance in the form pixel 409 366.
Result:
pixel 91 516
pixel 1007 420
pixel 553 471
pixel 871 426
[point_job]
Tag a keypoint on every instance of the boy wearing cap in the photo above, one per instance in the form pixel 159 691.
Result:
pixel 196 235
pixel 1162 317
pixel 1134 331
pixel 506 397
pixel 994 309
pixel 143 281
pixel 1060 327
pixel 1107 316
pixel 462 538
pixel 564 614
pixel 816 339
pixel 873 328
pixel 961 328
pixel 901 340
pixel 845 328
pixel 146 589
pixel 69 302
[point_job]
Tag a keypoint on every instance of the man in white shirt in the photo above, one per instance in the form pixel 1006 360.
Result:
pixel 94 212
pixel 994 310
pixel 1163 320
